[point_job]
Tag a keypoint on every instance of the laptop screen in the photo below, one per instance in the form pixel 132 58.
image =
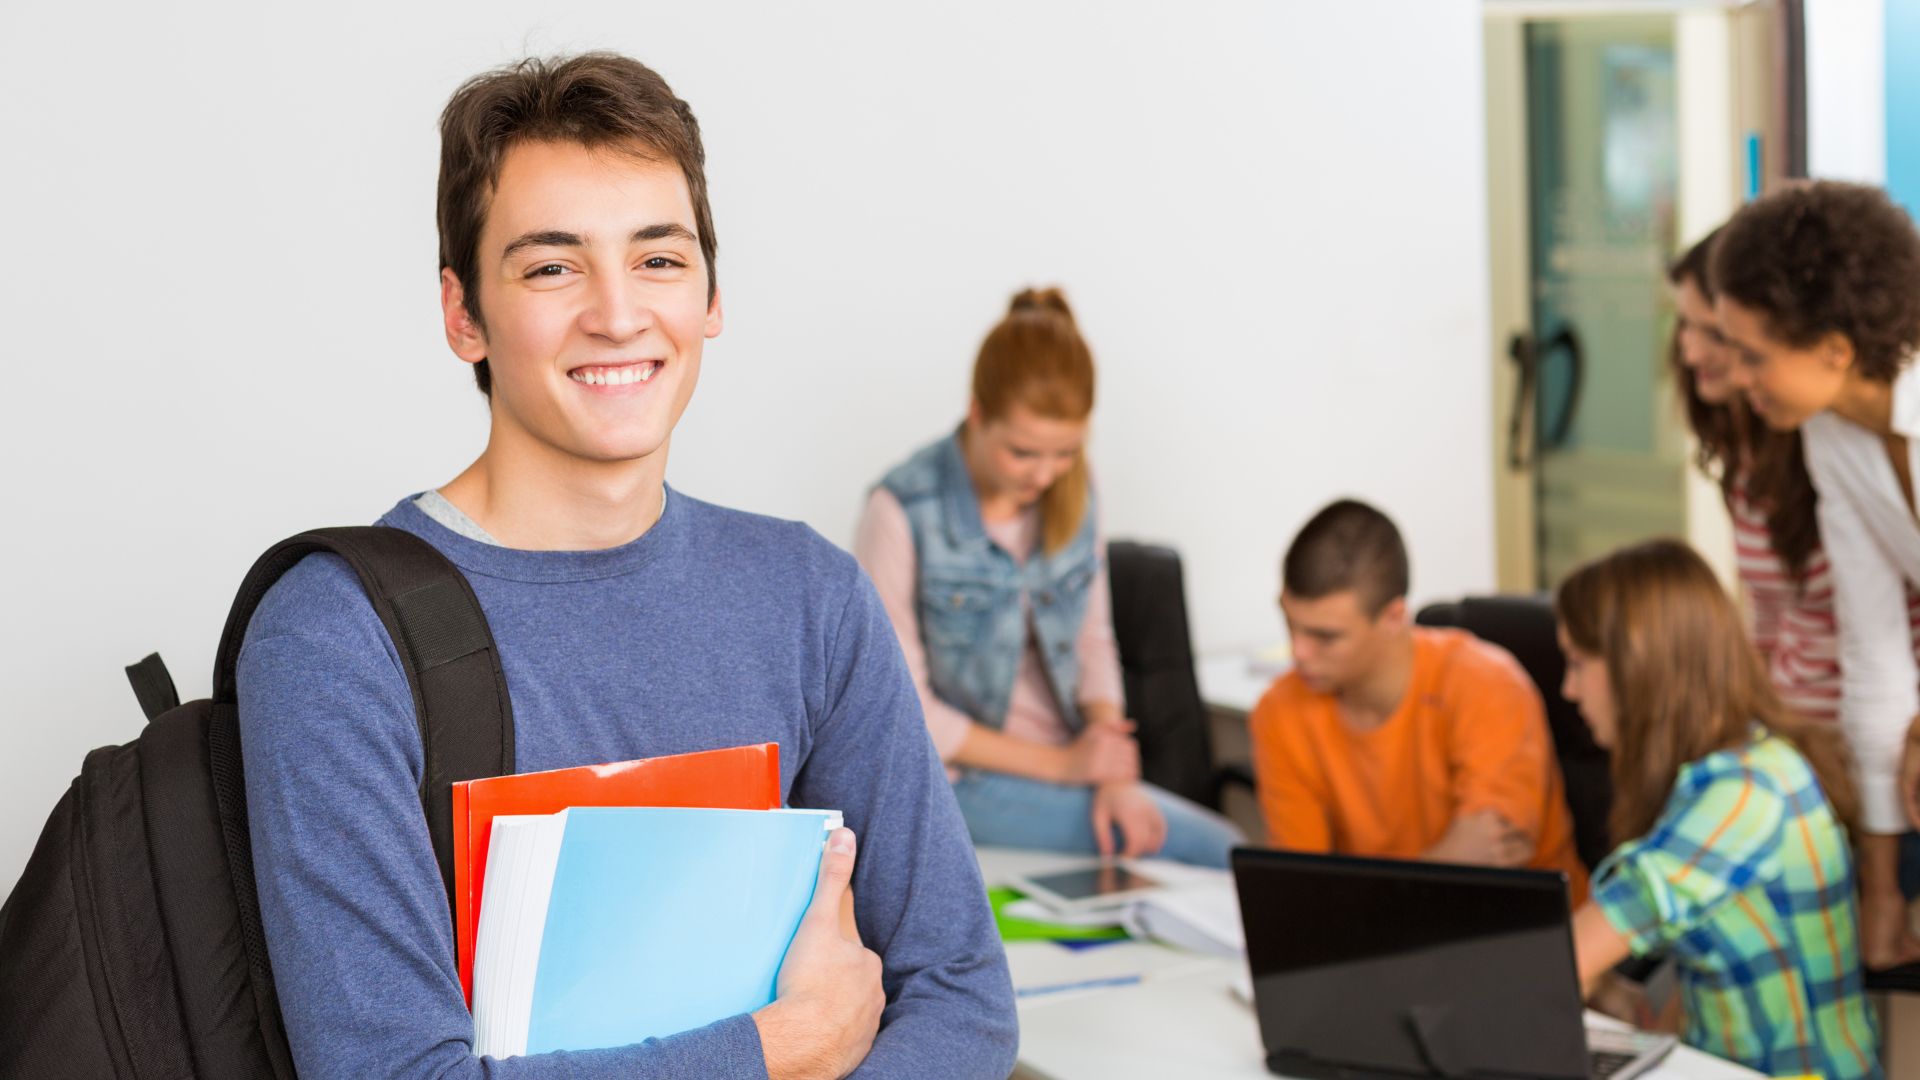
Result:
pixel 1418 969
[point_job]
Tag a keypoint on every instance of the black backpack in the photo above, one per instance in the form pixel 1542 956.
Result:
pixel 131 947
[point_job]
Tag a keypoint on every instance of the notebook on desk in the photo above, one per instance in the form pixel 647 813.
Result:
pixel 1371 967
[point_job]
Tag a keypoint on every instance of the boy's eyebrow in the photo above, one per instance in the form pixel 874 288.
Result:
pixel 560 238
pixel 541 238
pixel 664 231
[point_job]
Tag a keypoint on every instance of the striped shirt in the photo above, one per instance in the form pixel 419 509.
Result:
pixel 1747 880
pixel 1793 623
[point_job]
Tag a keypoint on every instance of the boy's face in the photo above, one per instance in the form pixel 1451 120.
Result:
pixel 594 295
pixel 1337 643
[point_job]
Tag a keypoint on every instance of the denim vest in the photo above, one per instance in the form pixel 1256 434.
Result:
pixel 973 597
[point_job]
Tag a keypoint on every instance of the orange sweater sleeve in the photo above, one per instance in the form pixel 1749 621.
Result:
pixel 1293 795
pixel 1502 754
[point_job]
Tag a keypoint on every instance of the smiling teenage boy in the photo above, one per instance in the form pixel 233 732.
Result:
pixel 577 254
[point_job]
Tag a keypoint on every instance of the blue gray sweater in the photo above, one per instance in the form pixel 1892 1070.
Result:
pixel 716 628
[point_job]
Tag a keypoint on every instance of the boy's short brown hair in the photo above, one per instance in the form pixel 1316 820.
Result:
pixel 1348 545
pixel 596 99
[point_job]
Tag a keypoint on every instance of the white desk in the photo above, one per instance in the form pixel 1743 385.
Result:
pixel 1234 681
pixel 1180 1020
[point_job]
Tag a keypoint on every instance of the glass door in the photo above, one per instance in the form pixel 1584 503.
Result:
pixel 1616 134
pixel 1602 186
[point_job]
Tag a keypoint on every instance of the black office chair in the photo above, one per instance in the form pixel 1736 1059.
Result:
pixel 1156 661
pixel 1524 626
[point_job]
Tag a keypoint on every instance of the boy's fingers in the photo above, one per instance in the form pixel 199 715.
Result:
pixel 836 870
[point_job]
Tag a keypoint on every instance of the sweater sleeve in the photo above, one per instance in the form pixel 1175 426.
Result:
pixel 883 543
pixel 355 914
pixel 920 902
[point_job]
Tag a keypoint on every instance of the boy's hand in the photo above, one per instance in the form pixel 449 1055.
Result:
pixel 1483 838
pixel 829 999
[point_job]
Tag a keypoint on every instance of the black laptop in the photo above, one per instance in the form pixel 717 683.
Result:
pixel 1384 968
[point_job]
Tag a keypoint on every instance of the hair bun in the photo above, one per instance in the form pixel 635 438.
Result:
pixel 1047 299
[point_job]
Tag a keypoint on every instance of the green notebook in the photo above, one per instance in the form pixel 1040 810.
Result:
pixel 1016 929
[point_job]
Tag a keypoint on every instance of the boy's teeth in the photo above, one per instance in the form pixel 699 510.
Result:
pixel 620 376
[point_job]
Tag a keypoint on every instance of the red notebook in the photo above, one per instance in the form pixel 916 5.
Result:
pixel 737 778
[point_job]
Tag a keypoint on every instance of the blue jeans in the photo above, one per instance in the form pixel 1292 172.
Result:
pixel 1910 865
pixel 1011 811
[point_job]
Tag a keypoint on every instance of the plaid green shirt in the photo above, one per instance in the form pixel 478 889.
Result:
pixel 1747 880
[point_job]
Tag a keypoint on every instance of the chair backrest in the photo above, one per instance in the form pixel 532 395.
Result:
pixel 1156 659
pixel 1523 625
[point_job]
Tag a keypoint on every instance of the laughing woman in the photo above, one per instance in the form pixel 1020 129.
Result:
pixel 1729 812
pixel 985 548
pixel 1818 287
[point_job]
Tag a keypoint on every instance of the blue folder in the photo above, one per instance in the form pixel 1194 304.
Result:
pixel 661 920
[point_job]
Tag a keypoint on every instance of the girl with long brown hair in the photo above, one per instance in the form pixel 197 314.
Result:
pixel 986 551
pixel 1763 478
pixel 1730 815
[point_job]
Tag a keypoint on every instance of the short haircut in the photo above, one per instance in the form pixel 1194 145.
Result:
pixel 1348 545
pixel 599 100
pixel 1826 257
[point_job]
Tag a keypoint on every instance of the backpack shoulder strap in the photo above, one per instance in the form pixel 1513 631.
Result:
pixel 452 666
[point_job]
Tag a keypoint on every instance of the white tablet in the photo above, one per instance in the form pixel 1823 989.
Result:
pixel 1087 888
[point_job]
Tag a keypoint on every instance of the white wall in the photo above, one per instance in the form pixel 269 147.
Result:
pixel 1847 90
pixel 218 285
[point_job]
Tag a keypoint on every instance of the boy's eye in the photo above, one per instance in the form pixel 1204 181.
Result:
pixel 547 270
pixel 660 262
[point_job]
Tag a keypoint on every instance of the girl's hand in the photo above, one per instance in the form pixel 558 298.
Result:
pixel 1127 807
pixel 1910 773
pixel 1104 752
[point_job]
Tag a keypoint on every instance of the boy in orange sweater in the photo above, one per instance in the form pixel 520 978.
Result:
pixel 1396 741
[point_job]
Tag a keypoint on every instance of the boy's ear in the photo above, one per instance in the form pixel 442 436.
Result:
pixel 464 335
pixel 1394 615
pixel 716 319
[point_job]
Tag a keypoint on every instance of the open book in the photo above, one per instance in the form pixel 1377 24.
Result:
pixel 603 926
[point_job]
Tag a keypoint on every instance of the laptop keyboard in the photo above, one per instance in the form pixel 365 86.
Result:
pixel 1603 1063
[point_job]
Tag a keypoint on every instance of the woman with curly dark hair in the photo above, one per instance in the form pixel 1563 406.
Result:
pixel 1818 288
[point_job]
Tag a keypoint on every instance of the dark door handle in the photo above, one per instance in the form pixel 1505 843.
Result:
pixel 1529 356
